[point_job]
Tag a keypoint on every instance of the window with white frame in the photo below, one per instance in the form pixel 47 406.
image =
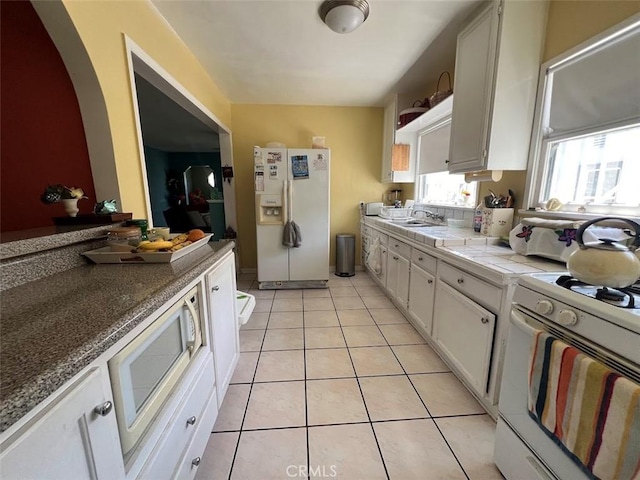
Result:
pixel 444 188
pixel 586 150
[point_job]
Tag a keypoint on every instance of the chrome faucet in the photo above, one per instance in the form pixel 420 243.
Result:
pixel 429 214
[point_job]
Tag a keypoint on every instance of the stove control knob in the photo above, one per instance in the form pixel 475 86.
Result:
pixel 567 317
pixel 544 307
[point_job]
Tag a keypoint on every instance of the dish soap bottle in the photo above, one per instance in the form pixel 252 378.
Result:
pixel 477 218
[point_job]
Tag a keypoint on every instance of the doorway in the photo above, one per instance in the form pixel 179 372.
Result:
pixel 180 141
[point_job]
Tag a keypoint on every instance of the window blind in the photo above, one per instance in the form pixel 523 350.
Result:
pixel 597 88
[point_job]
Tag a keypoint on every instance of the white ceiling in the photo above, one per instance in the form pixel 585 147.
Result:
pixel 280 52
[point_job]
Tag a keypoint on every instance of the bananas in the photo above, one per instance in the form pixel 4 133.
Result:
pixel 154 246
pixel 176 243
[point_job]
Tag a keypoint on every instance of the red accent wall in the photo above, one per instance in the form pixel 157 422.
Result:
pixel 42 134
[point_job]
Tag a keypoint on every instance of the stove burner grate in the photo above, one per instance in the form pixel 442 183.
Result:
pixel 612 296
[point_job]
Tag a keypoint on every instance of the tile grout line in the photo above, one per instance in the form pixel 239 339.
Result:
pixel 430 415
pixel 419 397
pixel 306 402
pixel 364 422
pixel 364 402
pixel 246 408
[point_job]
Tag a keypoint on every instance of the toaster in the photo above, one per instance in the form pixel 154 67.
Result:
pixel 372 208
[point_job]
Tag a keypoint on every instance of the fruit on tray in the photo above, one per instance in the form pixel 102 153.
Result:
pixel 180 246
pixel 173 245
pixel 195 235
pixel 179 239
pixel 156 245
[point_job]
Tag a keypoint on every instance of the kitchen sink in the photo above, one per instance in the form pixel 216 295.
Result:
pixel 415 223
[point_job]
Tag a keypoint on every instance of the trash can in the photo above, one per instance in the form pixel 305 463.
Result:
pixel 345 255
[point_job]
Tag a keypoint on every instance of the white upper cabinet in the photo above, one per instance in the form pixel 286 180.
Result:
pixel 497 63
pixel 434 134
pixel 389 138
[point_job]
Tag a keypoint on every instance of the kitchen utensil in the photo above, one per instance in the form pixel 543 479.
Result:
pixel 605 262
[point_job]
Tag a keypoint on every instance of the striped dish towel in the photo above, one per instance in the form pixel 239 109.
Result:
pixel 589 410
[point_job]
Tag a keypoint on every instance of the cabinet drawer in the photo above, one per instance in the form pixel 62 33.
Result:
pixel 424 260
pixel 482 292
pixel 366 230
pixel 193 455
pixel 181 428
pixel 399 247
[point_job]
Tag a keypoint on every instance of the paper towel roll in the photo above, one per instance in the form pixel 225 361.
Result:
pixel 483 176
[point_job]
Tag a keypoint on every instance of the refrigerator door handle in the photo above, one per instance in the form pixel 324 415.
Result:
pixel 290 199
pixel 285 200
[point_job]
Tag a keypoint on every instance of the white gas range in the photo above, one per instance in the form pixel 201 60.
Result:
pixel 601 323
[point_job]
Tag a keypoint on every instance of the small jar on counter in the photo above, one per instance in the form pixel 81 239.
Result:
pixel 123 239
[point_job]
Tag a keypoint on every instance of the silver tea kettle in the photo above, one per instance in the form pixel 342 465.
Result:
pixel 606 262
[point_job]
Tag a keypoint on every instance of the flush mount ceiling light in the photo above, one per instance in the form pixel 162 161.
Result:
pixel 344 16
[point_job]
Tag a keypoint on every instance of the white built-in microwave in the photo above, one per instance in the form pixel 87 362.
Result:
pixel 144 373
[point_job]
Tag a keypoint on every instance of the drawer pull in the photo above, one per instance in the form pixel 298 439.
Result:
pixel 215 288
pixel 397 245
pixel 420 259
pixel 191 421
pixel 104 409
pixel 461 281
pixel 395 258
pixel 196 461
pixel 429 281
pixel 484 320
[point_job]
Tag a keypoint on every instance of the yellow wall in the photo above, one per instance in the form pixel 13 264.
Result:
pixel 101 25
pixel 354 136
pixel 569 23
pixel 572 22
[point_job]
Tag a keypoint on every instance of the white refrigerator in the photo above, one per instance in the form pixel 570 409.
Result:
pixel 292 185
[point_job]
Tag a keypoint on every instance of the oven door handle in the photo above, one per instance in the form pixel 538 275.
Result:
pixel 195 339
pixel 520 321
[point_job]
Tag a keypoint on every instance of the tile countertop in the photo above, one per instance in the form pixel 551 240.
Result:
pixel 468 249
pixel 54 327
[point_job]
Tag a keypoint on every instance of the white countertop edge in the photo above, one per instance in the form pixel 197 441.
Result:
pixel 493 273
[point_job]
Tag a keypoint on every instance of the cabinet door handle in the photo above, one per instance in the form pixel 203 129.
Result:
pixel 191 420
pixel 446 161
pixel 420 259
pixel 395 258
pixel 429 282
pixel 196 461
pixel 215 288
pixel 484 320
pixel 104 409
pixel 461 281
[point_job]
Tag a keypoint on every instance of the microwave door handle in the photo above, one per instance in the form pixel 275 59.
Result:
pixel 191 343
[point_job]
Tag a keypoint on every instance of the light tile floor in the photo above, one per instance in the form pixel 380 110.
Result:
pixel 336 383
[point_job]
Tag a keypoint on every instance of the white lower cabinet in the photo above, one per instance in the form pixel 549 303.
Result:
pixel 76 436
pixel 196 412
pixel 464 331
pixel 74 433
pixel 398 277
pixel 398 267
pixel 421 293
pixel 188 464
pixel 223 323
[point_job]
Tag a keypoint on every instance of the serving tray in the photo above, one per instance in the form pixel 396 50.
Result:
pixel 106 255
